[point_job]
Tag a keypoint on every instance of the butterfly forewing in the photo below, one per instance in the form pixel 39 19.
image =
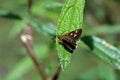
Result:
pixel 68 47
pixel 69 40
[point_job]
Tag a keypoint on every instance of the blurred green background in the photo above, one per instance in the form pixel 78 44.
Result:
pixel 101 18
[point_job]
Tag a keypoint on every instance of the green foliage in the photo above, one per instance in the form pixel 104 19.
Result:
pixel 44 28
pixel 43 19
pixel 107 52
pixel 54 6
pixel 103 29
pixel 70 20
pixel 103 72
pixel 104 50
pixel 26 64
pixel 18 27
pixel 45 10
pixel 9 15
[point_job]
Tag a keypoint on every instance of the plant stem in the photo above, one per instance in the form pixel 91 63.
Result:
pixel 27 40
pixel 57 72
pixel 30 2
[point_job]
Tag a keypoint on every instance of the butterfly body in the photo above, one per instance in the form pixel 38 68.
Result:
pixel 69 40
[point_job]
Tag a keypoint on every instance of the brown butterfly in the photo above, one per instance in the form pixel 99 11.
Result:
pixel 69 40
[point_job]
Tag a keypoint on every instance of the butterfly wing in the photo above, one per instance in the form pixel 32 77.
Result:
pixel 68 46
pixel 69 40
pixel 75 35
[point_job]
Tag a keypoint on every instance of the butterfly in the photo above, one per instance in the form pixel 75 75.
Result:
pixel 69 40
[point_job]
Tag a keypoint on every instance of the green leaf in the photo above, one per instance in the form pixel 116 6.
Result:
pixel 54 6
pixel 26 64
pixel 104 50
pixel 71 19
pixel 44 28
pixel 9 15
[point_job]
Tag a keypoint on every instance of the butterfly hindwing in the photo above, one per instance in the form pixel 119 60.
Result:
pixel 68 46
pixel 72 45
pixel 69 40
